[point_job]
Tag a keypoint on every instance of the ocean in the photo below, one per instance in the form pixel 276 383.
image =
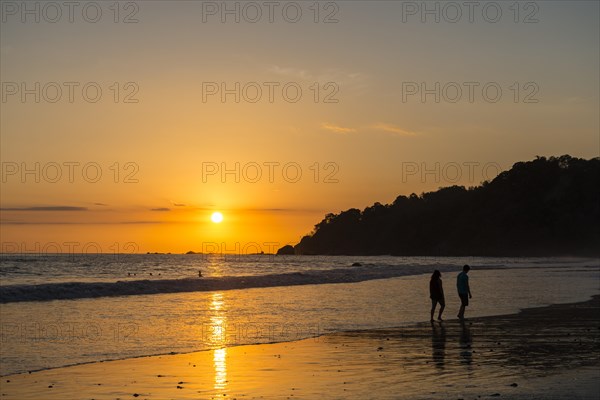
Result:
pixel 59 310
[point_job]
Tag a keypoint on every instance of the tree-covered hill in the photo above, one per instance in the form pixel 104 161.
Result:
pixel 548 206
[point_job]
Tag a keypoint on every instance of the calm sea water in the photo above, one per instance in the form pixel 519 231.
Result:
pixel 47 334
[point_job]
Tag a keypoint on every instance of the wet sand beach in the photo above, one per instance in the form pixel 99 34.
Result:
pixel 543 353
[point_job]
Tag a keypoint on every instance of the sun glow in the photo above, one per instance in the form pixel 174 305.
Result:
pixel 216 217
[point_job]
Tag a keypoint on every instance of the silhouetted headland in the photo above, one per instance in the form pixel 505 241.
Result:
pixel 544 207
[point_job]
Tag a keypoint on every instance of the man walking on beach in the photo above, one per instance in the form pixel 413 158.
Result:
pixel 464 291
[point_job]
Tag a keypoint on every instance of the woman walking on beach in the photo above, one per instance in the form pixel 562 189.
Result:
pixel 436 293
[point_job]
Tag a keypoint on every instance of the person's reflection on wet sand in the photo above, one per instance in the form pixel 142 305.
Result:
pixel 465 344
pixel 438 344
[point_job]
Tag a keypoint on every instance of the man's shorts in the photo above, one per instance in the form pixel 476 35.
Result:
pixel 442 302
pixel 464 299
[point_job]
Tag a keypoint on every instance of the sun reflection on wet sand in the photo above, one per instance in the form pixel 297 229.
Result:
pixel 220 366
pixel 218 322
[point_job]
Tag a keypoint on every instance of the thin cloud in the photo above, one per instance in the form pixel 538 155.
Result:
pixel 341 77
pixel 575 100
pixel 290 72
pixel 179 205
pixel 275 210
pixel 5 222
pixel 160 209
pixel 49 208
pixel 396 130
pixel 337 128
pixel 210 208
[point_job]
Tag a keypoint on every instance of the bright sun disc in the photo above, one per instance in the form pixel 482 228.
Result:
pixel 216 217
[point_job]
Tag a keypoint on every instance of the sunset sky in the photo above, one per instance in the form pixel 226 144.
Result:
pixel 161 156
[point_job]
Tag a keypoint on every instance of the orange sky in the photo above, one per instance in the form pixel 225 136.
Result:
pixel 143 164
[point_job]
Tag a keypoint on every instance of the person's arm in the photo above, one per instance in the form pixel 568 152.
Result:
pixel 469 289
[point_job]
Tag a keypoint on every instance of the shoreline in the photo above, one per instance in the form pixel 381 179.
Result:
pixel 317 336
pixel 524 348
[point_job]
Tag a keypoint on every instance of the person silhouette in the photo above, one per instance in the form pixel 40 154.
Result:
pixel 464 291
pixel 436 294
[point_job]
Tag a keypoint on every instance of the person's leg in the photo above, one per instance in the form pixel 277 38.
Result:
pixel 442 306
pixel 464 302
pixel 433 304
pixel 461 312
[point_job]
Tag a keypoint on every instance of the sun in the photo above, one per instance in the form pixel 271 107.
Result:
pixel 216 217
